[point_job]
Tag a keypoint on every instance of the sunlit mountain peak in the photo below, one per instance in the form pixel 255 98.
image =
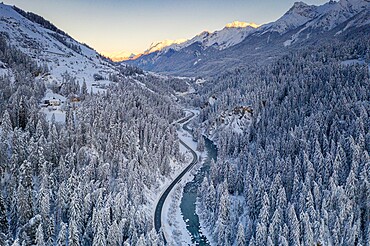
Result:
pixel 118 56
pixel 157 46
pixel 241 24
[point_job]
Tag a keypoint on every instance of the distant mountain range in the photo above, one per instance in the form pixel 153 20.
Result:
pixel 119 56
pixel 232 34
pixel 240 43
pixel 237 44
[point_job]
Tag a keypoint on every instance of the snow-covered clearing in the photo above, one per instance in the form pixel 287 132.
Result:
pixel 353 62
pixel 189 91
pixel 54 104
pixel 200 81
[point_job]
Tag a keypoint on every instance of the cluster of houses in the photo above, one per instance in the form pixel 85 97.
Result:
pixel 52 103
pixel 239 112
pixel 242 110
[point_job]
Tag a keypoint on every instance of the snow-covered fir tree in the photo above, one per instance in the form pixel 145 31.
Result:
pixel 301 168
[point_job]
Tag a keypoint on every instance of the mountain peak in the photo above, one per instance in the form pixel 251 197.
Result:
pixel 301 8
pixel 241 24
pixel 118 56
pixel 158 46
pixel 299 4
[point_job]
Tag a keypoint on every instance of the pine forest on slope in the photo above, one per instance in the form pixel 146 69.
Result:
pixel 87 145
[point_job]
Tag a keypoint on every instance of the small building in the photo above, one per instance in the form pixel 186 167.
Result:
pixel 75 99
pixel 242 110
pixel 51 102
pixel 54 102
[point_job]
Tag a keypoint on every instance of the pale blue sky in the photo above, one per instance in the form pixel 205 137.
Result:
pixel 132 25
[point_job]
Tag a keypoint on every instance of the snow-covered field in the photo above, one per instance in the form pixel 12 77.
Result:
pixel 57 110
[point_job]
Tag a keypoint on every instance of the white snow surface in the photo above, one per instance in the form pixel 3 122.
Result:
pixel 212 100
pixel 40 44
pixel 200 81
pixel 50 95
pixel 57 111
pixel 47 50
pixel 189 91
pixel 231 120
pixel 59 114
pixel 173 222
pixel 221 39
pixel 171 208
pixel 327 16
pixel 355 62
pixel 157 46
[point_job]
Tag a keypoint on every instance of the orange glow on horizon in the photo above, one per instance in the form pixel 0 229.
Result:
pixel 158 46
pixel 118 56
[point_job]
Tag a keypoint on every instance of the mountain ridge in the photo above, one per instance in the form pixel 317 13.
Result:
pixel 301 24
pixel 230 35
pixel 52 47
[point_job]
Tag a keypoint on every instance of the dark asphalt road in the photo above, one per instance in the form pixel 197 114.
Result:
pixel 158 209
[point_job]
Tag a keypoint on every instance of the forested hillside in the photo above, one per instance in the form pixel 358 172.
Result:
pixel 88 181
pixel 96 153
pixel 300 174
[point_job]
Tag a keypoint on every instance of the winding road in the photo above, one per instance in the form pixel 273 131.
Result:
pixel 159 206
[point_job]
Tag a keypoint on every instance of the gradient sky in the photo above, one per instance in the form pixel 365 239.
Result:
pixel 132 25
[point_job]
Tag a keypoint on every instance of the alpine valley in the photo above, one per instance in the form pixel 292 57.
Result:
pixel 250 135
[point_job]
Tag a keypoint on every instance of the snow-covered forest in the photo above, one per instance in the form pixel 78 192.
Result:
pixel 86 181
pixel 90 150
pixel 300 174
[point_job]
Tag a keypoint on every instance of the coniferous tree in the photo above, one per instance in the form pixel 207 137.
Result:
pixel 4 228
pixel 22 114
pixel 240 237
pixel 40 236
pixel 73 233
pixel 62 235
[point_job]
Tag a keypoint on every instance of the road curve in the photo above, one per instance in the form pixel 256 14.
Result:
pixel 159 206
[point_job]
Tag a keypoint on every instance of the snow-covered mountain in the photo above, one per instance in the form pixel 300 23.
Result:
pixel 158 46
pixel 235 45
pixel 322 18
pixel 232 34
pixel 119 56
pixel 155 46
pixel 296 16
pixel 51 47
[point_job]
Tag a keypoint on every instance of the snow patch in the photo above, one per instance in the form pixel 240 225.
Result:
pixel 288 42
pixel 353 62
pixel 200 81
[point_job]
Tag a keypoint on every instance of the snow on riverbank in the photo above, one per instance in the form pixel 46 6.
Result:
pixel 173 222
